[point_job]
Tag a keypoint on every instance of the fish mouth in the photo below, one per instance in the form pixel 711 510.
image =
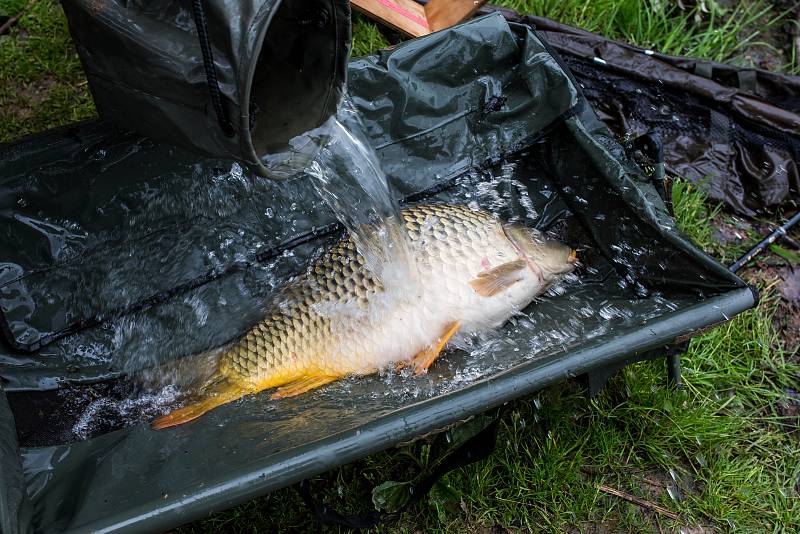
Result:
pixel 571 263
pixel 568 267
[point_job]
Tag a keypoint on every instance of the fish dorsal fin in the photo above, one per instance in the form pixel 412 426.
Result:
pixel 498 279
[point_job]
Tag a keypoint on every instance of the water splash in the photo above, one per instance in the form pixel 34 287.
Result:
pixel 347 175
pixel 113 413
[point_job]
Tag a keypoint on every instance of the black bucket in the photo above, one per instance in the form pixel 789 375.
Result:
pixel 228 79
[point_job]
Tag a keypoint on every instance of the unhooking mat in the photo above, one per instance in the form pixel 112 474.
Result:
pixel 118 253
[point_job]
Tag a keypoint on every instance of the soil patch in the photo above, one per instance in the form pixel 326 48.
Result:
pixel 772 50
pixel 786 320
pixel 30 96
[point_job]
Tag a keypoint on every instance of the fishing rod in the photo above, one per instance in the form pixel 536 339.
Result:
pixel 781 231
pixel 673 358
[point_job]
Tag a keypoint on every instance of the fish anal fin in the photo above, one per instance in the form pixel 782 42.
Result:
pixel 426 357
pixel 217 391
pixel 498 279
pixel 298 387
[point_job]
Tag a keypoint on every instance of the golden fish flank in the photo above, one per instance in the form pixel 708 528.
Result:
pixel 471 273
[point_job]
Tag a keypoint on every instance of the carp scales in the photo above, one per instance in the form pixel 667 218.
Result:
pixel 471 273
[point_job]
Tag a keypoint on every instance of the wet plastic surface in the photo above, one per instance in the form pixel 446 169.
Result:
pixel 452 119
pixel 595 303
pixel 184 219
pixel 14 505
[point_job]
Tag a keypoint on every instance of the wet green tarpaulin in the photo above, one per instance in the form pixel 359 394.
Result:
pixel 118 253
pixel 14 506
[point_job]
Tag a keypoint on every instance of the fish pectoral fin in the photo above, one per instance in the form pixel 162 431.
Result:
pixel 425 357
pixel 297 387
pixel 498 279
pixel 217 391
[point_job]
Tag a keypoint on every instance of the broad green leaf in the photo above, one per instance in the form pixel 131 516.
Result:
pixel 443 497
pixel 391 496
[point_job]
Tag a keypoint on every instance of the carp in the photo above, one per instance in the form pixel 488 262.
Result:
pixel 470 270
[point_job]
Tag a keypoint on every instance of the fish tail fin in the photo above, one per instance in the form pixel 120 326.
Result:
pixel 218 390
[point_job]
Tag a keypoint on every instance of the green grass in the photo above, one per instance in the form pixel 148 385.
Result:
pixel 696 217
pixel 41 80
pixel 717 436
pixel 662 26
pixel 693 214
pixel 367 36
pixel 720 442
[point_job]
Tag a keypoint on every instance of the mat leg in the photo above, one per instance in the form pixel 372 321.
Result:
pixel 597 379
pixel 674 371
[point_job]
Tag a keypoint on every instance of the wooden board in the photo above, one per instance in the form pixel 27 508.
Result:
pixel 415 20
pixel 406 16
pixel 442 14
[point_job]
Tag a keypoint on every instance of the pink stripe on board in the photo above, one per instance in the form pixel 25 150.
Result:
pixel 407 14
